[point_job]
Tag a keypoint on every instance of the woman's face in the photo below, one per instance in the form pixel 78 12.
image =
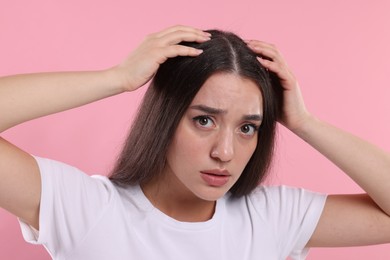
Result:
pixel 215 138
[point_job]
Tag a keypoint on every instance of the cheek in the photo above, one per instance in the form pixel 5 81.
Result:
pixel 186 147
pixel 245 151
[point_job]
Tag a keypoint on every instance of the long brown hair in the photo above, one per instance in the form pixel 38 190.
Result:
pixel 173 88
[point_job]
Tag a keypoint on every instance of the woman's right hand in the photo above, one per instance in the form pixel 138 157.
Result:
pixel 141 65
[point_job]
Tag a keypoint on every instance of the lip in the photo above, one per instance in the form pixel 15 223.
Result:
pixel 215 177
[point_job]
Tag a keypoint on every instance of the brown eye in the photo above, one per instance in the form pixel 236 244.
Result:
pixel 248 129
pixel 245 129
pixel 204 121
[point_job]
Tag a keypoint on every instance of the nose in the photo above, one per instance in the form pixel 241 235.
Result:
pixel 223 148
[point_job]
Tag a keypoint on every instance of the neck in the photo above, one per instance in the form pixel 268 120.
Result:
pixel 178 202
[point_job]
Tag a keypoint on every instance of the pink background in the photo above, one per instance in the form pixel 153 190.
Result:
pixel 339 50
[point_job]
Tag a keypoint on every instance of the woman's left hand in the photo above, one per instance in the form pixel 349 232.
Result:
pixel 294 112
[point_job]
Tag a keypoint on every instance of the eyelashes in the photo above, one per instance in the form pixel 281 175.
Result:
pixel 249 129
pixel 206 122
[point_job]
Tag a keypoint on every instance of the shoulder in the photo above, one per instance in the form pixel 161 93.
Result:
pixel 61 178
pixel 287 215
pixel 292 212
pixel 282 193
pixel 283 199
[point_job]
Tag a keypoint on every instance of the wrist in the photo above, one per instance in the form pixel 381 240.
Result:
pixel 304 126
pixel 114 80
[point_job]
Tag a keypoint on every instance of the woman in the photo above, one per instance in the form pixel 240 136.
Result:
pixel 185 183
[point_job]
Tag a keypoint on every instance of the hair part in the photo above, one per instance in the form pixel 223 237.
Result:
pixel 169 95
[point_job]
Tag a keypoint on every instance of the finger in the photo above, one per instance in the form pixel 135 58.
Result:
pixel 266 50
pixel 281 72
pixel 180 50
pixel 175 50
pixel 181 28
pixel 261 44
pixel 180 36
pixel 270 65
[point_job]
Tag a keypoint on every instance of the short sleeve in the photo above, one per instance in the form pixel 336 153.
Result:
pixel 71 203
pixel 294 214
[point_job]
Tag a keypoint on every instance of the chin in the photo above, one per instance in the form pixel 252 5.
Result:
pixel 211 193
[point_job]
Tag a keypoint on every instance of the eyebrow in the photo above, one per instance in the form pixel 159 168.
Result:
pixel 253 118
pixel 217 111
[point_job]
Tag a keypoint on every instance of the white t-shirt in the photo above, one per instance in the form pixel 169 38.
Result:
pixel 83 217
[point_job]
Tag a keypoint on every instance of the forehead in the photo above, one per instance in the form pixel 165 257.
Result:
pixel 230 91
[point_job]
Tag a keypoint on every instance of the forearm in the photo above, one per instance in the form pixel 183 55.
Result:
pixel 365 163
pixel 25 97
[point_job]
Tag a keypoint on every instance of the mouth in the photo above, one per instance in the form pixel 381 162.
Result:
pixel 215 178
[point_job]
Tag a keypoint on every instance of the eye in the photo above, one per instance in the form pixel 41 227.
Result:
pixel 249 129
pixel 204 121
